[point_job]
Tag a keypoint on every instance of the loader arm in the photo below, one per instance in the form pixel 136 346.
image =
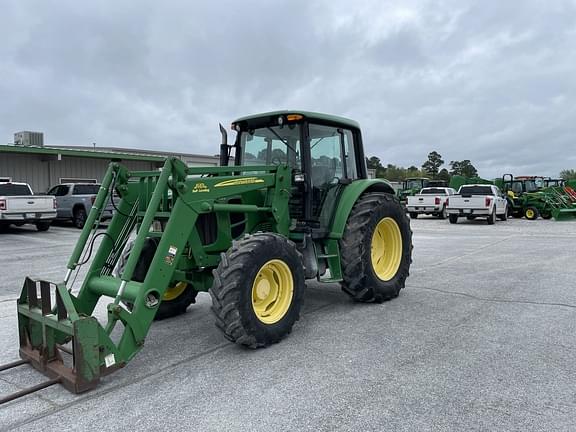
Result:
pixel 175 197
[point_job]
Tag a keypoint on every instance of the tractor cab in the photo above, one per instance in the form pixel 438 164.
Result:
pixel 415 183
pixel 520 185
pixel 324 153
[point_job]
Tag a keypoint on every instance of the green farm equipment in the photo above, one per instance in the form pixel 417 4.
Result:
pixel 531 197
pixel 561 201
pixel 521 201
pixel 291 201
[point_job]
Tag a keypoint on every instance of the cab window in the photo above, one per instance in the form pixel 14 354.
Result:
pixel 274 145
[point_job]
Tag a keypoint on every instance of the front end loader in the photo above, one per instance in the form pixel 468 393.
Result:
pixel 290 202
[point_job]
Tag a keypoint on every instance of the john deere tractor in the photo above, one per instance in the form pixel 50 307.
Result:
pixel 290 202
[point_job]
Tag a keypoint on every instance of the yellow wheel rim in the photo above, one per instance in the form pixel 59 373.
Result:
pixel 175 291
pixel 272 291
pixel 529 213
pixel 386 250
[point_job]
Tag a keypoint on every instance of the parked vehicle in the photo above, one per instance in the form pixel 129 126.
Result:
pixel 430 201
pixel 19 206
pixel 478 200
pixel 75 200
pixel 410 187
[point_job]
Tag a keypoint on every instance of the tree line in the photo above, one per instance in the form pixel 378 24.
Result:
pixel 431 168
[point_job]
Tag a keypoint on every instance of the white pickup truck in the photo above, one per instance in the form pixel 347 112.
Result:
pixel 430 200
pixel 478 200
pixel 19 206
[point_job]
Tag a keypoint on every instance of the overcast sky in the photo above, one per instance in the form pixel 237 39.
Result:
pixel 490 81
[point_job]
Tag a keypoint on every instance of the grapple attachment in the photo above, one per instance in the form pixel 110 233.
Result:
pixel 59 342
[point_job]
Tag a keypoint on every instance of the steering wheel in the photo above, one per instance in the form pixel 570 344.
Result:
pixel 276 161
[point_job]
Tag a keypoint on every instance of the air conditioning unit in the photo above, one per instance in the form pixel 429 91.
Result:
pixel 29 139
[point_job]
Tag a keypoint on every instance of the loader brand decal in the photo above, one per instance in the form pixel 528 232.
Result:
pixel 200 187
pixel 169 259
pixel 240 182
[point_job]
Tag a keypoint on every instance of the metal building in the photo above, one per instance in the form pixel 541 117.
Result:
pixel 43 167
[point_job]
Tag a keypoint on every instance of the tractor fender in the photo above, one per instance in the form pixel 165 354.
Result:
pixel 349 197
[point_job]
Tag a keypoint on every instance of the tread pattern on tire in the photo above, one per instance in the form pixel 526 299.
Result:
pixel 167 309
pixel 353 249
pixel 225 292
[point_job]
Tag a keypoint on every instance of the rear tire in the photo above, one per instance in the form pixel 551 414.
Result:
pixel 443 214
pixel 79 217
pixel 167 308
pixel 258 290
pixel 453 218
pixel 43 226
pixel 492 218
pixel 377 222
pixel 413 215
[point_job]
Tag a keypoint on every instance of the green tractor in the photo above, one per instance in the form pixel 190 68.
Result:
pixel 523 198
pixel 534 196
pixel 290 202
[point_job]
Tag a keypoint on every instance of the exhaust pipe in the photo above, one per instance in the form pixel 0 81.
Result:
pixel 224 146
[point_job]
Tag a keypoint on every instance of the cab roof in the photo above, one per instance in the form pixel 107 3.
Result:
pixel 307 114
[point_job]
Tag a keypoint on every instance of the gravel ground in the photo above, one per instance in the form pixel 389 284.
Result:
pixel 482 338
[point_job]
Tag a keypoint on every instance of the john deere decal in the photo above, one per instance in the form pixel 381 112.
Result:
pixel 200 187
pixel 240 182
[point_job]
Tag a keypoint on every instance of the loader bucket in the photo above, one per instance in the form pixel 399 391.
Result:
pixel 562 214
pixel 70 348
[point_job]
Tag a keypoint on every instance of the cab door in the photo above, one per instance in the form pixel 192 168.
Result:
pixel 332 166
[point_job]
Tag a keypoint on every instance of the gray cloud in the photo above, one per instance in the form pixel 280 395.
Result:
pixel 489 81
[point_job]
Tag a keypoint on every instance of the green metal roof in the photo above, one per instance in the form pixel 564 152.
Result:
pixel 94 154
pixel 308 114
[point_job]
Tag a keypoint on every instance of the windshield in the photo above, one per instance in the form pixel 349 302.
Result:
pixel 433 191
pixel 86 189
pixel 530 185
pixel 414 184
pixel 10 189
pixel 274 145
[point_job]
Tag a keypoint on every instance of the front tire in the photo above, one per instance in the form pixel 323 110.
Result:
pixel 376 249
pixel 531 213
pixel 413 215
pixel 258 290
pixel 453 218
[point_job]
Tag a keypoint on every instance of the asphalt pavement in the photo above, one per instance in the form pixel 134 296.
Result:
pixel 482 338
